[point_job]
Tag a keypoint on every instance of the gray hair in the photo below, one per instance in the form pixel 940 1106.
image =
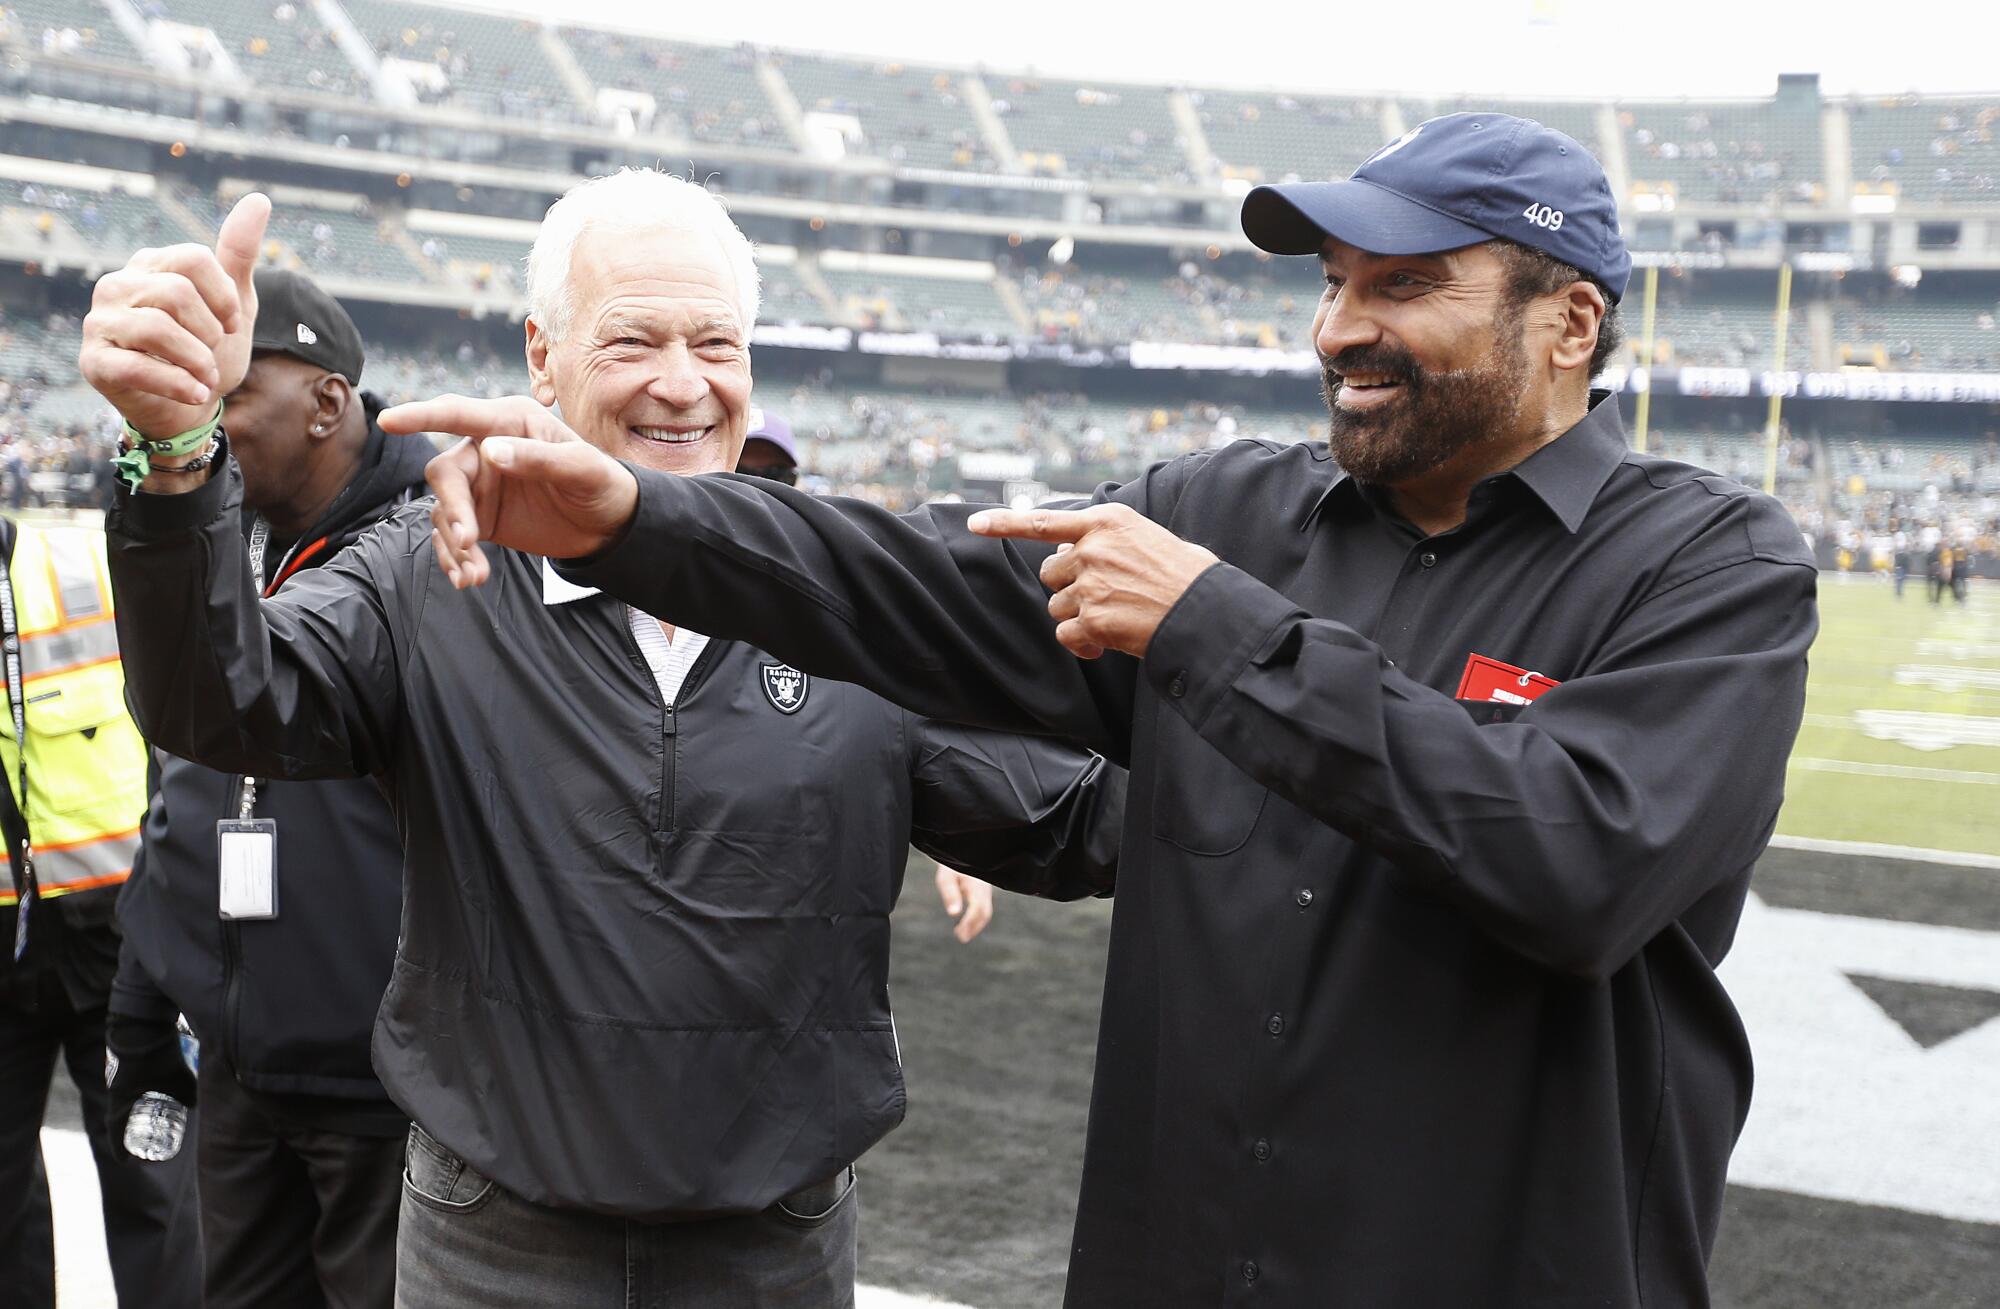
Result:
pixel 630 199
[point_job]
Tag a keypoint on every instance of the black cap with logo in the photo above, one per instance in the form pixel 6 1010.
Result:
pixel 296 318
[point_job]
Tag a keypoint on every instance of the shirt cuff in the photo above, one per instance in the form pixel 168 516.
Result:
pixel 1221 623
pixel 138 516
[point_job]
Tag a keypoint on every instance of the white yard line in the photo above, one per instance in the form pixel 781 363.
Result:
pixel 1896 770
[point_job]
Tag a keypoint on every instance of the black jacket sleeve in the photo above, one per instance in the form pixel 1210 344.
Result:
pixel 1576 832
pixel 1025 813
pixel 913 607
pixel 305 685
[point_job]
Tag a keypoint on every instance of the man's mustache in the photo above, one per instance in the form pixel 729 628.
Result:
pixel 1394 364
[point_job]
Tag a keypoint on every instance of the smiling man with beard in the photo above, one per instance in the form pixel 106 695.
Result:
pixel 1449 770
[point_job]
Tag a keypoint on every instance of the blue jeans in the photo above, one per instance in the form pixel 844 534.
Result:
pixel 465 1242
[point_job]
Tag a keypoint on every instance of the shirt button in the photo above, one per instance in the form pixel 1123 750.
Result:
pixel 1428 559
pixel 1262 1150
pixel 1250 1270
pixel 1275 1024
pixel 1178 687
pixel 1305 896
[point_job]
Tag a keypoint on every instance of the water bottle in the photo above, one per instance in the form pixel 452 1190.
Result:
pixel 156 1128
pixel 158 1122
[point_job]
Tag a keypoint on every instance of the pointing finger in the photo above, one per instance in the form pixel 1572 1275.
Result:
pixel 460 415
pixel 1036 524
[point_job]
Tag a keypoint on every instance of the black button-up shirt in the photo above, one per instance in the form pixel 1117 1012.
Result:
pixel 1411 1000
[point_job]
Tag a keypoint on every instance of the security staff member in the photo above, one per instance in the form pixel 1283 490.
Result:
pixel 301 1150
pixel 1450 762
pixel 640 1008
pixel 74 799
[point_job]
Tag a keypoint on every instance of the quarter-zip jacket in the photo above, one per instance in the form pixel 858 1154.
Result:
pixel 288 1002
pixel 645 952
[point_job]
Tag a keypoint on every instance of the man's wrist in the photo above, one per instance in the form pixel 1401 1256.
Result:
pixel 156 476
pixel 169 464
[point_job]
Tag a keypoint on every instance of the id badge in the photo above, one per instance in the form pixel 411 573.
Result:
pixel 249 867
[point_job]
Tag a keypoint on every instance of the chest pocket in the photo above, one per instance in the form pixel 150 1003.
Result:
pixel 1491 711
pixel 95 744
pixel 1202 802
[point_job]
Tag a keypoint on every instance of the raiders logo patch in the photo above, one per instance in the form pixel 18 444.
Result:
pixel 785 687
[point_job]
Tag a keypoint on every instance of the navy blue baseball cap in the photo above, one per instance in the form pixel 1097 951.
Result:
pixel 1456 181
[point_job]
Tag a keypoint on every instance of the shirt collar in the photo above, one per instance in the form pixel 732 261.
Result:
pixel 557 589
pixel 1566 474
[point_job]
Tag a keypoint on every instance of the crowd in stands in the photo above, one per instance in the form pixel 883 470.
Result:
pixel 45 461
pixel 1734 152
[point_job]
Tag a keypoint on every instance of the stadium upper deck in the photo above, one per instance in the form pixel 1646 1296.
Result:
pixel 412 147
pixel 385 58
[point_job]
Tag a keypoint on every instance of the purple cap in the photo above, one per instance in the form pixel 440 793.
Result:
pixel 767 426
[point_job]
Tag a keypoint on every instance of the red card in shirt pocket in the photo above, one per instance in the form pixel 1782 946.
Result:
pixel 1486 678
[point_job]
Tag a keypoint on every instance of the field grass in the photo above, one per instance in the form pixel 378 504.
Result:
pixel 1946 799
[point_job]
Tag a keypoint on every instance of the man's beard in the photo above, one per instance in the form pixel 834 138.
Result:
pixel 1435 415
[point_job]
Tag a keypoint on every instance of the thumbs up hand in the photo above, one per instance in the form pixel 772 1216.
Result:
pixel 168 335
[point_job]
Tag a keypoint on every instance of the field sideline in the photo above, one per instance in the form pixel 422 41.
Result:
pixel 1901 742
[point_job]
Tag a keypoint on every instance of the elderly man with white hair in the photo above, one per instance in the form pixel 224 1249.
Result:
pixel 639 1012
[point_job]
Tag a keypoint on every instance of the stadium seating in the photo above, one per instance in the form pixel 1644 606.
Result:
pixel 481 261
pixel 1575 118
pixel 111 221
pixel 1090 129
pixel 275 42
pixel 909 114
pixel 1733 152
pixel 40 349
pixel 786 299
pixel 65 28
pixel 399 375
pixel 1929 332
pixel 342 243
pixel 1718 326
pixel 495 64
pixel 1275 138
pixel 1943 151
pixel 903 302
pixel 1073 304
pixel 707 93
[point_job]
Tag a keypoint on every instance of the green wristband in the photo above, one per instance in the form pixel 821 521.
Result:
pixel 135 464
pixel 184 444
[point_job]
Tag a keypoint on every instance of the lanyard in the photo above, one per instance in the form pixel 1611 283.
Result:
pixel 260 541
pixel 17 700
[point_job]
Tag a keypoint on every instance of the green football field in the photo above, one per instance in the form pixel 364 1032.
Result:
pixel 1901 742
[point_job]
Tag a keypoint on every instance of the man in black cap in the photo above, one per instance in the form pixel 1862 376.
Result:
pixel 301 1150
pixel 1450 760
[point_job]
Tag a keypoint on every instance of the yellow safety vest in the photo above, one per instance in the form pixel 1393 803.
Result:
pixel 86 760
